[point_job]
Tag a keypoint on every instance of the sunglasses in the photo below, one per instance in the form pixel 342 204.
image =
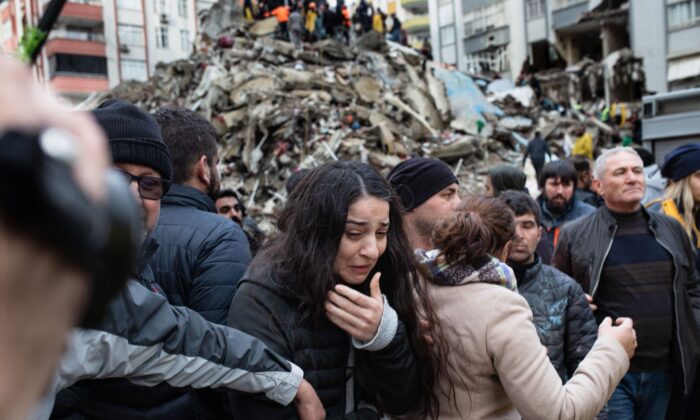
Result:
pixel 150 187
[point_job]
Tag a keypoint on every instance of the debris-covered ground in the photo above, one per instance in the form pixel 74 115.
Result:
pixel 279 109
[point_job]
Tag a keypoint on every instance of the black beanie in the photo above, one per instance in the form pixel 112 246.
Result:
pixel 417 179
pixel 681 162
pixel 134 136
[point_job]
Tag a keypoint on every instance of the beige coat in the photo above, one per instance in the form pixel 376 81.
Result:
pixel 501 371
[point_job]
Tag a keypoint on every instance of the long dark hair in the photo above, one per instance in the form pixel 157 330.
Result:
pixel 312 224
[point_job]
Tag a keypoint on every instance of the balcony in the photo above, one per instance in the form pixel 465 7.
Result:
pixel 568 15
pixel 79 84
pixel 417 24
pixel 82 10
pixel 58 45
pixel 415 6
pixel 486 40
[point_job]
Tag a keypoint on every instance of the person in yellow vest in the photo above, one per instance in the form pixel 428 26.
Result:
pixel 584 144
pixel 681 201
pixel 311 16
pixel 377 23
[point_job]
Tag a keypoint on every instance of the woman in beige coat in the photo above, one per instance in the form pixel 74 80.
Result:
pixel 496 367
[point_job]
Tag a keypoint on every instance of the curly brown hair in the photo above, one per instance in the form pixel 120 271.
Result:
pixel 482 226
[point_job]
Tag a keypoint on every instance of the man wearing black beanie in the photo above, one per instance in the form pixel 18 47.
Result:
pixel 144 340
pixel 429 192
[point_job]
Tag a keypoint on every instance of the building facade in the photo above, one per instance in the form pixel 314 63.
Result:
pixel 97 44
pixel 502 36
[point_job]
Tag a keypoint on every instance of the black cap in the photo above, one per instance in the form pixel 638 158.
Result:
pixel 134 136
pixel 681 162
pixel 417 179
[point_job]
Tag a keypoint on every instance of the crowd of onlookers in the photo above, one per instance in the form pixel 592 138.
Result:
pixel 377 295
pixel 310 21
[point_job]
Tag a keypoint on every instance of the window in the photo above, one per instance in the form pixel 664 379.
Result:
pixel 447 35
pixel 683 13
pixel 484 19
pixel 159 6
pixel 6 30
pixel 185 39
pixel 182 8
pixel 534 9
pixel 162 40
pixel 131 35
pixel 129 4
pixel 133 70
pixel 81 64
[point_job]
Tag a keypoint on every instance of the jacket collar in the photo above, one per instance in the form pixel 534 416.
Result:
pixel 186 196
pixel 531 273
pixel 488 270
pixel 148 248
pixel 611 223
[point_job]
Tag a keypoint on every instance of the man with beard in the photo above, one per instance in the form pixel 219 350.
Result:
pixel 558 203
pixel 429 192
pixel 201 256
pixel 229 204
pixel 564 321
pixel 583 183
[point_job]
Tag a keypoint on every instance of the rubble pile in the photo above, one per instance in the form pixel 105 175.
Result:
pixel 278 109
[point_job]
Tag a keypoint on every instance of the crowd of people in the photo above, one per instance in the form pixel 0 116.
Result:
pixel 311 21
pixel 376 296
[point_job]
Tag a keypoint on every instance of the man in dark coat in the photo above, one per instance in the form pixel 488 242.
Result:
pixel 638 264
pixel 537 148
pixel 201 255
pixel 564 321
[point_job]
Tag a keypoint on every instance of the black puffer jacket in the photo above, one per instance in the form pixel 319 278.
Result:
pixel 564 321
pixel 201 256
pixel 264 308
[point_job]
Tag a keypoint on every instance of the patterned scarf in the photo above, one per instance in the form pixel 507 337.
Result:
pixel 487 270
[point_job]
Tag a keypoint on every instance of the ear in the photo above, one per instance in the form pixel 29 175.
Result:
pixel 540 232
pixel 596 186
pixel 202 171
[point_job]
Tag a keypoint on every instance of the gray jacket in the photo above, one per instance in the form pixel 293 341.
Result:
pixel 149 342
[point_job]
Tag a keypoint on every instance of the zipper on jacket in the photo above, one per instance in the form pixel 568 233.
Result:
pixel 675 307
pixel 605 257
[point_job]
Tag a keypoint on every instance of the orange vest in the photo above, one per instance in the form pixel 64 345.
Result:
pixel 281 13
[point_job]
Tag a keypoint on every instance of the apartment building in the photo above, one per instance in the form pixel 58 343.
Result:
pixel 97 44
pixel 500 36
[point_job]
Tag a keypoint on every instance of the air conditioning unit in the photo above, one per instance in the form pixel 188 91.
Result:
pixel 163 18
pixel 124 48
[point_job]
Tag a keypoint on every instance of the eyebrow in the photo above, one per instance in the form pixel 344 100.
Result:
pixel 360 223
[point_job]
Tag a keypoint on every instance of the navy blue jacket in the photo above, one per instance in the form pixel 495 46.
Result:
pixel 552 224
pixel 201 256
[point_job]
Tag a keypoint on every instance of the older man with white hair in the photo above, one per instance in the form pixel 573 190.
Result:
pixel 640 265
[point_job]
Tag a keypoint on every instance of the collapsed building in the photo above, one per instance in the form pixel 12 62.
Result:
pixel 279 109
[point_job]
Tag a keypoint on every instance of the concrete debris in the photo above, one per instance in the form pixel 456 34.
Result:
pixel 278 108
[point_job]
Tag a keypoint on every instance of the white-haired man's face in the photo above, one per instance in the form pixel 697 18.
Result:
pixel 622 183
